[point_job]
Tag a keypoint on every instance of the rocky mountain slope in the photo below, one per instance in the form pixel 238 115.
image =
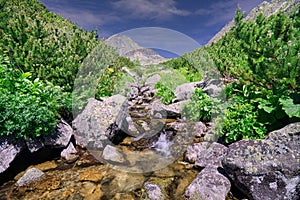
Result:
pixel 267 8
pixel 128 48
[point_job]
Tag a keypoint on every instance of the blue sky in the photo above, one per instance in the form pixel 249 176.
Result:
pixel 199 19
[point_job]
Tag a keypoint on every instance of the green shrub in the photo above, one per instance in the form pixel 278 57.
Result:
pixel 43 43
pixel 165 93
pixel 201 107
pixel 240 121
pixel 264 52
pixel 276 108
pixel 27 108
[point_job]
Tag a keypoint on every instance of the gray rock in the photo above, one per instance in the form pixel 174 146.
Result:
pixel 31 175
pixel 213 87
pixel 93 126
pixel 154 192
pixel 213 90
pixel 269 168
pixel 157 110
pixel 171 111
pixel 200 129
pixel 152 80
pixel 62 136
pixel 113 154
pixel 174 110
pixel 184 91
pixel 195 150
pixel 208 185
pixel 212 156
pixel 69 153
pixel 9 149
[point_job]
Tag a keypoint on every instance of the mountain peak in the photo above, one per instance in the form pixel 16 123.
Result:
pixel 128 48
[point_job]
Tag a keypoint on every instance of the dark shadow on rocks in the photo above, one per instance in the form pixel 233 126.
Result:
pixel 235 192
pixel 26 159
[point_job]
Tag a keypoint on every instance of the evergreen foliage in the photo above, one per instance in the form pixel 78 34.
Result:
pixel 41 54
pixel 264 56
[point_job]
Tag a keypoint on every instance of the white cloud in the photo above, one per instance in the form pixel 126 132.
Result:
pixel 150 9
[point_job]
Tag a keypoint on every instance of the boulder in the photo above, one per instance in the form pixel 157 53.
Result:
pixel 212 156
pixel 208 185
pixel 153 191
pixel 93 126
pixel 195 150
pixel 160 110
pixel 213 87
pixel 9 149
pixel 62 136
pixel 30 176
pixel 269 168
pixel 200 129
pixel 184 91
pixel 152 80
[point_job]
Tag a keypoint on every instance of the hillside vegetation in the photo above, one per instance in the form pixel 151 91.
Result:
pixel 263 56
pixel 40 54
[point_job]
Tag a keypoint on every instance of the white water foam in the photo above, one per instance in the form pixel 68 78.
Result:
pixel 163 145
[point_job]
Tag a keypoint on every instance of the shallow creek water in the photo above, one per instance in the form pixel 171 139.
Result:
pixel 88 179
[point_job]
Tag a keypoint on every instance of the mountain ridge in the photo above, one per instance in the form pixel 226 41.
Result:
pixel 128 48
pixel 266 8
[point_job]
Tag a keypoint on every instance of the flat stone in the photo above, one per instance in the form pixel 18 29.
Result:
pixel 31 175
pixel 122 196
pixel 46 165
pixel 113 154
pixel 91 175
pixel 121 182
pixel 91 191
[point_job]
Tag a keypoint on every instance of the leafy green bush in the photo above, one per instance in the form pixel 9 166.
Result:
pixel 28 108
pixel 276 108
pixel 240 121
pixel 201 107
pixel 165 93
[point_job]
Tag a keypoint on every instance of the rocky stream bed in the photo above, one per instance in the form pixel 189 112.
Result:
pixel 137 148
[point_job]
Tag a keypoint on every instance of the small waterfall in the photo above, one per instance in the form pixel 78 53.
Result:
pixel 163 145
